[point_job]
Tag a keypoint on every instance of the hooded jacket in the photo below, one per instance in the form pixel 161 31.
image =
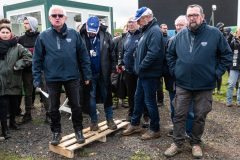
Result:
pixel 197 59
pixel 11 79
pixel 150 52
pixel 61 55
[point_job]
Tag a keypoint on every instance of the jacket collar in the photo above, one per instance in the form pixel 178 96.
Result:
pixel 63 31
pixel 149 25
pixel 200 28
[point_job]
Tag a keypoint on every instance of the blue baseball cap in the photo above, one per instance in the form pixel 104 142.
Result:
pixel 93 24
pixel 143 11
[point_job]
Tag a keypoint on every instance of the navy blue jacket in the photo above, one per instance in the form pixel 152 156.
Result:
pixel 129 49
pixel 150 52
pixel 61 56
pixel 198 59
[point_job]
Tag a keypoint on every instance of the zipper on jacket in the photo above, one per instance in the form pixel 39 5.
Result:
pixel 58 43
pixel 191 43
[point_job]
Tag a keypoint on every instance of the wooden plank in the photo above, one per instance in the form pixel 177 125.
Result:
pixel 84 131
pixel 96 137
pixel 61 151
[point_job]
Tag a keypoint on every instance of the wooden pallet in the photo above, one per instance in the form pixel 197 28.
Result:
pixel 68 143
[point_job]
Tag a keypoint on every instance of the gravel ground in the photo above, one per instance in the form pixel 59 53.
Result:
pixel 221 138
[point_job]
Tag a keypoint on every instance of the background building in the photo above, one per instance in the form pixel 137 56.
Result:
pixel 167 11
pixel 77 13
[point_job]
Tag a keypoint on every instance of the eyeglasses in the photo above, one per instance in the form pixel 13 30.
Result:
pixel 193 15
pixel 57 15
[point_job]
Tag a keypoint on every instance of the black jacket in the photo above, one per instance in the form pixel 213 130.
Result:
pixel 235 46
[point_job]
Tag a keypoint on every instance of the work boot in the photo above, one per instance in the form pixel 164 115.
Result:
pixel 56 138
pixel 13 125
pixel 150 135
pixel 26 118
pixel 79 136
pixel 111 124
pixel 172 150
pixel 94 126
pixel 131 129
pixel 197 151
pixel 5 131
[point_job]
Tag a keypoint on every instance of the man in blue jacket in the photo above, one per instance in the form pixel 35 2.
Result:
pixel 148 66
pixel 61 54
pixel 193 61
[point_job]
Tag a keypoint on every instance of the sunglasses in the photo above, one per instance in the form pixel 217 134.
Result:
pixel 57 15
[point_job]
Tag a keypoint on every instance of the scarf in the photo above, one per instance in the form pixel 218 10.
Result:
pixel 5 45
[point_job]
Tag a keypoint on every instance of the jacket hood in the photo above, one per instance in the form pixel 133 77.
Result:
pixel 33 22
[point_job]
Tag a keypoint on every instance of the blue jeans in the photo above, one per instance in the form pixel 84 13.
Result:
pixel 232 80
pixel 72 92
pixel 190 115
pixel 103 84
pixel 146 93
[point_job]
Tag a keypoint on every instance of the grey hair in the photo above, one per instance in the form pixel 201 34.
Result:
pixel 57 7
pixel 198 6
pixel 181 18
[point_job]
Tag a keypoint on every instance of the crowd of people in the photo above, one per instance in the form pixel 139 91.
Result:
pixel 144 58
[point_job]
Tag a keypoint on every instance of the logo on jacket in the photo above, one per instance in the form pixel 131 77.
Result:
pixel 68 40
pixel 203 44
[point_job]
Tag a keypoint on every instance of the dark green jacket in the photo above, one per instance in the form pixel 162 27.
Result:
pixel 11 70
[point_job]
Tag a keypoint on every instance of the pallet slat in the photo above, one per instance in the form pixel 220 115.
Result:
pixel 68 143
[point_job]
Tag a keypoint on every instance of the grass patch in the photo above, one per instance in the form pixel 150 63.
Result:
pixel 140 155
pixel 38 121
pixel 13 156
pixel 222 97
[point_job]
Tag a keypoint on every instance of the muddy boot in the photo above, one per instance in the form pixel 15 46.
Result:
pixel 13 125
pixel 26 118
pixel 5 131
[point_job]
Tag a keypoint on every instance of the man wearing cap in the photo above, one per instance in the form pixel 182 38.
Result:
pixel 197 56
pixel 28 40
pixel 61 54
pixel 148 66
pixel 103 62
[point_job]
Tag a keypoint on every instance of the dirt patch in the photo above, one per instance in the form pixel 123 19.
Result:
pixel 221 138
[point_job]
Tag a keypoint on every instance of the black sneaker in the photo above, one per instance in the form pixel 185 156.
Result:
pixel 56 138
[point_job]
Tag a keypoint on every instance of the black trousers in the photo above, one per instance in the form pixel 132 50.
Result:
pixel 72 92
pixel 8 104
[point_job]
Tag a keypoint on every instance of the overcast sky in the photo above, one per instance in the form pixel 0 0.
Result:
pixel 122 9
